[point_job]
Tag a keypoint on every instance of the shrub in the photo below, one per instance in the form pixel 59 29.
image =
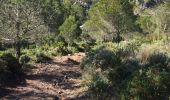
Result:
pixel 98 85
pixel 127 48
pixel 119 75
pixel 124 74
pixel 72 50
pixel 109 55
pixel 149 84
pixel 24 59
pixel 101 60
pixel 59 49
pixel 152 81
pixel 105 59
pixel 12 63
pixel 42 58
pixel 10 69
pixel 96 80
pixel 85 46
pixel 90 58
pixel 60 38
pixel 159 59
pixel 147 50
pixel 111 67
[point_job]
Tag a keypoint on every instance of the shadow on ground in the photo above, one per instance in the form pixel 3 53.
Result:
pixel 6 87
pixel 61 79
pixel 4 92
pixel 31 95
pixel 54 74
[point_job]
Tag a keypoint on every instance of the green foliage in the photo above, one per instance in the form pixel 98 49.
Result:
pixel 19 20
pixel 53 13
pixel 79 13
pixel 85 46
pixel 24 59
pixel 68 29
pixel 158 59
pixel 155 20
pixel 120 75
pixel 12 63
pixel 105 58
pixel 59 49
pixel 10 69
pixel 110 17
pixel 150 82
pixel 116 67
pixel 100 58
pixel 113 65
pixel 147 49
pixel 42 58
pixel 98 85
pixel 123 60
pixel 72 50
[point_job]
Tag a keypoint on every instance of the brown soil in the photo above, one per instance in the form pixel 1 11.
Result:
pixel 59 79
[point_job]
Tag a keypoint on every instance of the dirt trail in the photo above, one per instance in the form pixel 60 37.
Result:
pixel 55 80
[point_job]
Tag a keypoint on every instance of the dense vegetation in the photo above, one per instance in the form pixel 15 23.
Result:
pixel 127 43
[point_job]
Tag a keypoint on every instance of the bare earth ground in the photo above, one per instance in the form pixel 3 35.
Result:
pixel 55 80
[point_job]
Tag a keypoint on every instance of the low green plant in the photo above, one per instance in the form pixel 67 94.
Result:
pixel 116 62
pixel 59 48
pixel 42 58
pixel 24 59
pixel 72 50
pixel 12 63
pixel 10 69
pixel 59 51
pixel 159 59
pixel 149 84
pixel 98 85
pixel 151 81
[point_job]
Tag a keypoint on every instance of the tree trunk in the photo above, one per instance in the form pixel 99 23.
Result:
pixel 18 44
pixel 18 48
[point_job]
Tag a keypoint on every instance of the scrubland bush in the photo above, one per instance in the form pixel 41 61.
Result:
pixel 146 50
pixel 58 51
pixel 119 67
pixel 59 48
pixel 99 84
pixel 85 46
pixel 159 59
pixel 72 50
pixel 10 69
pixel 152 81
pixel 12 63
pixel 24 59
pixel 111 61
pixel 97 81
pixel 42 58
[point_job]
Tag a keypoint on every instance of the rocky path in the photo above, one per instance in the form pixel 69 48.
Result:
pixel 55 80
